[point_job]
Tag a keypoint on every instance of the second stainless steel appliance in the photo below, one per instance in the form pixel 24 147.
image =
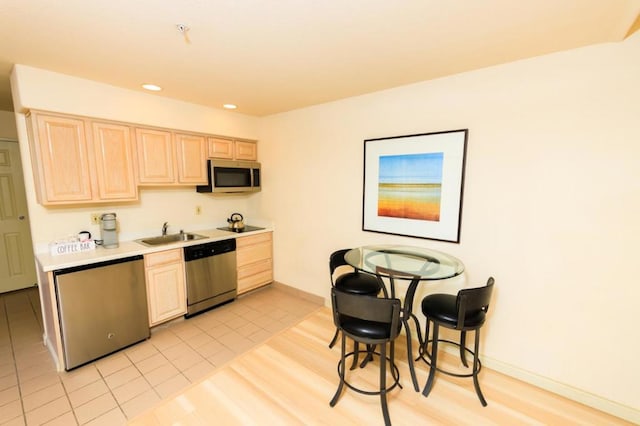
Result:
pixel 102 308
pixel 211 274
pixel 232 176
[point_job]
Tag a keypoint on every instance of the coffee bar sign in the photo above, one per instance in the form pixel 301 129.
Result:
pixel 70 247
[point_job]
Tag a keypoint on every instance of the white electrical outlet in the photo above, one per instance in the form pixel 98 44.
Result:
pixel 95 218
pixel 198 210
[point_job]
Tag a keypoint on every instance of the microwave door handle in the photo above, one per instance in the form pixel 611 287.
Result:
pixel 255 172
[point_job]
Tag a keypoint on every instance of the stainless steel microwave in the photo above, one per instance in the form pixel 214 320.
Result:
pixel 232 176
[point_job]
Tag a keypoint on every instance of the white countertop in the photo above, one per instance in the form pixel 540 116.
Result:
pixel 130 248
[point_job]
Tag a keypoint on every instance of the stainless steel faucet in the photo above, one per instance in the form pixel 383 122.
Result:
pixel 164 228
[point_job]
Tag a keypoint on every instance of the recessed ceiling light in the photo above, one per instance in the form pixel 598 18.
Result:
pixel 152 87
pixel 229 106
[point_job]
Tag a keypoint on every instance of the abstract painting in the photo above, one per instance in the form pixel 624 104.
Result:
pixel 413 185
pixel 410 186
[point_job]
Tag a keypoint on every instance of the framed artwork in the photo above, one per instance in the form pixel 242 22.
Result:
pixel 413 185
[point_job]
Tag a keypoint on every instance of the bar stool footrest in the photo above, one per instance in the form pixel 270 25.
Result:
pixel 424 355
pixel 395 373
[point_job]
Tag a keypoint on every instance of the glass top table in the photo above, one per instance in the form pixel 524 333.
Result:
pixel 405 263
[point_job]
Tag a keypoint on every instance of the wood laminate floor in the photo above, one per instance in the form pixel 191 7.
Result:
pixel 289 380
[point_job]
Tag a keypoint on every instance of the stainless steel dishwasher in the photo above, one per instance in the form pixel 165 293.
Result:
pixel 211 275
pixel 102 307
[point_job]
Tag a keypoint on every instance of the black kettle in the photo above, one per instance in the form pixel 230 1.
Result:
pixel 236 222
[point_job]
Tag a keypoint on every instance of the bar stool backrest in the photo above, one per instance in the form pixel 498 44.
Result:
pixel 347 306
pixel 473 303
pixel 336 260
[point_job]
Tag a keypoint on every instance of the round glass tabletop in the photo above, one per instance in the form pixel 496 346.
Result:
pixel 404 262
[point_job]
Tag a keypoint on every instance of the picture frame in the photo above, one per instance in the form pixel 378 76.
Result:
pixel 413 185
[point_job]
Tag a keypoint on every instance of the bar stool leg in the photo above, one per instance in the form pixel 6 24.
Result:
pixel 369 357
pixel 383 384
pixel 425 344
pixel 356 355
pixel 341 367
pixel 434 357
pixel 335 339
pixel 463 345
pixel 476 384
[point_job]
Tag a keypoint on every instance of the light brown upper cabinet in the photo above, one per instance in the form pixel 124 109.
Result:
pixel 115 165
pixel 156 165
pixel 220 148
pixel 191 153
pixel 83 160
pixel 77 161
pixel 232 149
pixel 167 158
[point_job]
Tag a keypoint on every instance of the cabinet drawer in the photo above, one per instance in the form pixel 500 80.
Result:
pixel 255 268
pixel 163 257
pixel 253 239
pixel 253 281
pixel 254 253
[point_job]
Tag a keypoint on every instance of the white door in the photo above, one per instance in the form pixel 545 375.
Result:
pixel 17 267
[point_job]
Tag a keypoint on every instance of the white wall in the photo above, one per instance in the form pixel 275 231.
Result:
pixel 40 89
pixel 8 125
pixel 551 205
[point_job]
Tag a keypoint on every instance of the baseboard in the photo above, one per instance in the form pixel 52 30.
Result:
pixel 299 293
pixel 566 391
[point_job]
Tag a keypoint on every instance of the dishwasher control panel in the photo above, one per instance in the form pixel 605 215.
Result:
pixel 209 249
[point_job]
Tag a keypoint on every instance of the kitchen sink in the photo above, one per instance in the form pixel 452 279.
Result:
pixel 168 239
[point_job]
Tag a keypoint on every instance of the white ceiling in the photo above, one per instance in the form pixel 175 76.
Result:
pixel 278 55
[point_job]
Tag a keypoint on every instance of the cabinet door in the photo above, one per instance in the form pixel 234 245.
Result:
pixel 113 149
pixel 191 153
pixel 220 148
pixel 62 160
pixel 246 151
pixel 156 164
pixel 166 292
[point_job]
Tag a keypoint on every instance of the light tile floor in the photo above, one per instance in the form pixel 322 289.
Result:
pixel 116 388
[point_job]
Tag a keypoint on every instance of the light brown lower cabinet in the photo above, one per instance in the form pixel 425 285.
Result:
pixel 166 287
pixel 254 261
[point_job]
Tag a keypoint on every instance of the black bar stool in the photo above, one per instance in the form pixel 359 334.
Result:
pixel 353 282
pixel 374 322
pixel 464 312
